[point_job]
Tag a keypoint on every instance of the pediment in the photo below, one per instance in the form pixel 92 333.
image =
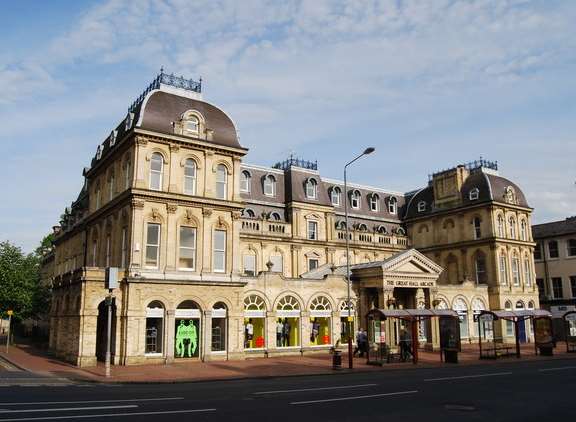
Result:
pixel 411 261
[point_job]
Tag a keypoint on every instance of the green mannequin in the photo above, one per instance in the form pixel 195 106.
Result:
pixel 186 339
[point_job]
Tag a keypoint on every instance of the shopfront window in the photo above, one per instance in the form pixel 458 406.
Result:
pixel 254 322
pixel 483 327
pixel 219 325
pixel 187 333
pixel 462 309
pixel 320 321
pixel 154 328
pixel 509 324
pixel 288 322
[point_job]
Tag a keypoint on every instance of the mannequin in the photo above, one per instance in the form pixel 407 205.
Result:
pixel 248 334
pixel 286 333
pixel 279 332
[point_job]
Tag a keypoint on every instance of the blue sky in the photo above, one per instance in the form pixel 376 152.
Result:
pixel 429 84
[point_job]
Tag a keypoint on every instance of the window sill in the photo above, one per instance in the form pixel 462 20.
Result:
pixel 153 355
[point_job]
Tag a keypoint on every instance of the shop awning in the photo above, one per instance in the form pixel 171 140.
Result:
pixel 519 314
pixel 412 313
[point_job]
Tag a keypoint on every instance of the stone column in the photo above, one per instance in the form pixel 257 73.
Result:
pixel 207 337
pixel 170 245
pixel 170 330
pixel 295 260
pixel 304 329
pixel 271 318
pixel 236 255
pixel 136 245
pixel 174 169
pixel 206 240
pixel 236 179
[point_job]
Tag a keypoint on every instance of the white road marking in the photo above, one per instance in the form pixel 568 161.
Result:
pixel 90 401
pixel 68 409
pixel 315 389
pixel 495 374
pixel 108 415
pixel 561 368
pixel 398 393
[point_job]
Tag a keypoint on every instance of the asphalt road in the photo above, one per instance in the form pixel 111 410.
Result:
pixel 507 391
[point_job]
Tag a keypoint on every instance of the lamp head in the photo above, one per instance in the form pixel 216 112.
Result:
pixel 369 150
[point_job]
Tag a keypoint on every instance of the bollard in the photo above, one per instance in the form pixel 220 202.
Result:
pixel 337 359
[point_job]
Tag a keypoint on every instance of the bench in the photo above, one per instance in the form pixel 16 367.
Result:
pixel 498 351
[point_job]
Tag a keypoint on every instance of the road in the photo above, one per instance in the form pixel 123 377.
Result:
pixel 504 391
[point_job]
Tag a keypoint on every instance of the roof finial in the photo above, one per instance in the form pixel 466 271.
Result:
pixel 161 69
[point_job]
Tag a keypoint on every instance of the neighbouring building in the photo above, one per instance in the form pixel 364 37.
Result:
pixel 220 259
pixel 555 259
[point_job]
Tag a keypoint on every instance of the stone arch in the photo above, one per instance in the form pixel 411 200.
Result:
pixel 287 293
pixel 193 157
pixel 262 296
pixel 225 164
pixel 187 299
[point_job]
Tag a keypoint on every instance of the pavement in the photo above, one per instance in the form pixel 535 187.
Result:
pixel 25 361
pixel 506 390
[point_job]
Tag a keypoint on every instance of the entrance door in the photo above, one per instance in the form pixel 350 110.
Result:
pixel 522 331
pixel 102 328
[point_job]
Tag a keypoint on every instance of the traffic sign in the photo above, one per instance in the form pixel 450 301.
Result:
pixel 10 312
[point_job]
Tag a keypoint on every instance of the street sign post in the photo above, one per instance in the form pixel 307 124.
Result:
pixel 9 312
pixel 109 302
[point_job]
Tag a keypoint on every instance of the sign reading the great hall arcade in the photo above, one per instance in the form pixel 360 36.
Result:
pixel 410 283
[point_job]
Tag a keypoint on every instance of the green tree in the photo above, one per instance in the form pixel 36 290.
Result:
pixel 19 280
pixel 46 246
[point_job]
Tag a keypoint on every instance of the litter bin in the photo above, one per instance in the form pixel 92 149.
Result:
pixel 337 359
pixel 451 355
pixel 546 350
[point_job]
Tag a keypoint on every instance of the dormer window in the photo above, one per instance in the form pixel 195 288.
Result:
pixel 248 213
pixel 99 152
pixel 335 196
pixel 421 206
pixel 392 205
pixel 192 125
pixel 311 189
pixel 374 200
pixel 245 179
pixel 112 138
pixel 355 199
pixel 474 194
pixel 269 185
pixel 128 122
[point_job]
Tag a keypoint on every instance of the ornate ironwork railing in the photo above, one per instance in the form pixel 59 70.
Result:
pixel 296 162
pixel 172 80
pixel 472 165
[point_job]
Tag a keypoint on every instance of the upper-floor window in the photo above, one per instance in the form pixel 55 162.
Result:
pixel 270 185
pixel 355 199
pixel 523 230
pixel 474 194
pixel 221 182
pixel 374 202
pixel 480 268
pixel 421 206
pixel 557 289
pixel 152 244
pixel 312 264
pixel 98 196
pixel 553 249
pixel 512 223
pixel 312 230
pixel 527 271
pixel 477 227
pixel 245 180
pixel 127 175
pixel 503 268
pixel 571 247
pixel 249 264
pixel 516 270
pixel 500 226
pixel 187 248
pixel 190 177
pixel 275 216
pixel 335 196
pixel 311 189
pixel 248 213
pixel 111 187
pixel 538 251
pixel 219 251
pixel 191 125
pixel 392 205
pixel 156 167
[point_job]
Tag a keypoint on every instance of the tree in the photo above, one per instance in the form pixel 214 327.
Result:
pixel 46 246
pixel 19 280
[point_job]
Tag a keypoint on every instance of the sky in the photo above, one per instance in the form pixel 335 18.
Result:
pixel 429 84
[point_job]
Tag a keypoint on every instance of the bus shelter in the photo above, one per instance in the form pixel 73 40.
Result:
pixel 541 327
pixel 570 330
pixel 381 345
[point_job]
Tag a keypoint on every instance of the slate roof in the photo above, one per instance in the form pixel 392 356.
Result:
pixel 554 228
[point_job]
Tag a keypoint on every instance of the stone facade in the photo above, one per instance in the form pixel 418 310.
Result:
pixel 222 260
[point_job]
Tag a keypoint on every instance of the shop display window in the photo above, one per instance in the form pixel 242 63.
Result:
pixel 254 322
pixel 320 321
pixel 154 328
pixel 187 331
pixel 219 324
pixel 288 322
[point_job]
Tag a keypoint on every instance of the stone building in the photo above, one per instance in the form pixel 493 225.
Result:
pixel 219 259
pixel 555 258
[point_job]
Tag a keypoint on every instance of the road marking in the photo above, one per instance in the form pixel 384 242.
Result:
pixel 495 374
pixel 561 368
pixel 398 393
pixel 90 401
pixel 315 389
pixel 108 415
pixel 68 409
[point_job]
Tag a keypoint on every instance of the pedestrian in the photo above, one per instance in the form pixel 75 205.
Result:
pixel 405 341
pixel 364 343
pixel 358 342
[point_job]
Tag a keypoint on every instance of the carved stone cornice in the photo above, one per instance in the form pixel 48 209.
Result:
pixel 174 148
pixel 236 215
pixel 137 204
pixel 171 208
pixel 207 212
pixel 141 141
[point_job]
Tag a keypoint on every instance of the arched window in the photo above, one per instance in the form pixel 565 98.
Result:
pixel 320 321
pixel 382 230
pixel 191 125
pixel 392 205
pixel 245 181
pixel 190 177
pixel 156 168
pixel 476 222
pixel 154 328
pixel 288 303
pixel 501 232
pixel 275 216
pixel 127 174
pixel 189 337
pixel 341 225
pixel 111 186
pixel 362 227
pixel 519 305
pixel 474 194
pixel 374 202
pixel 355 199
pixel 421 206
pixel 531 305
pixel 480 268
pixel 527 271
pixel 509 324
pixel 400 231
pixel 515 270
pixel 269 185
pixel 288 323
pixel 503 268
pixel 523 230
pixel 335 194
pixel 221 182
pixel 512 223
pixel 254 322
pixel 311 189
pixel 461 308
pixel 248 213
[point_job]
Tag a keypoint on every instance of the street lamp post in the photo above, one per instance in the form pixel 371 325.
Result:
pixel 367 151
